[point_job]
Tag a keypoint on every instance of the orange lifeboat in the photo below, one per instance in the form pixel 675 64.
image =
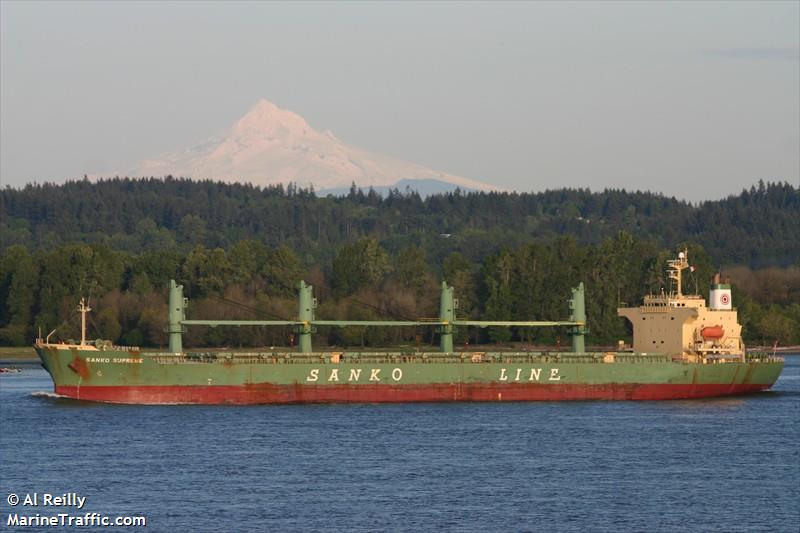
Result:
pixel 712 332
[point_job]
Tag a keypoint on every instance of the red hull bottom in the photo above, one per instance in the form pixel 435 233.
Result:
pixel 266 394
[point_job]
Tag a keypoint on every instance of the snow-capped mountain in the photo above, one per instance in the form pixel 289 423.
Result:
pixel 271 145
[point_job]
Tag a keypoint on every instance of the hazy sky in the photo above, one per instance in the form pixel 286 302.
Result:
pixel 696 100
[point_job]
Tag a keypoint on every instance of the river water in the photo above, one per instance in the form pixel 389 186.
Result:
pixel 702 465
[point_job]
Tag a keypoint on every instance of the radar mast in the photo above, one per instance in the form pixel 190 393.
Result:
pixel 675 268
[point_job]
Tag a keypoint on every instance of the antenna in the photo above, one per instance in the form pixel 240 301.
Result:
pixel 675 268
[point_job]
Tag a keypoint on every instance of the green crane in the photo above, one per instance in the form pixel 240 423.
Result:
pixel 446 324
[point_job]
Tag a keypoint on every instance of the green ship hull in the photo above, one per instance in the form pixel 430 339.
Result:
pixel 123 376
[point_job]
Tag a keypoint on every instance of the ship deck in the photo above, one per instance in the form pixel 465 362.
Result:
pixel 288 358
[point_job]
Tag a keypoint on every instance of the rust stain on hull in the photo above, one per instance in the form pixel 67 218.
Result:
pixel 80 367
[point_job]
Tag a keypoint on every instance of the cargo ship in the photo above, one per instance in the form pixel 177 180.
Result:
pixel 682 349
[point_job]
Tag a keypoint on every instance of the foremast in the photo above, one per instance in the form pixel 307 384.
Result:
pixel 83 308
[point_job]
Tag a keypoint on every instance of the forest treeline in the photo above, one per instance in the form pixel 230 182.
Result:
pixel 364 279
pixel 758 228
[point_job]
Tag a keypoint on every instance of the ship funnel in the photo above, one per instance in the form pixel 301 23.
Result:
pixel 719 297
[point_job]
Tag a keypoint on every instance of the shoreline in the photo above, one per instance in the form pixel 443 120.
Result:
pixel 779 349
